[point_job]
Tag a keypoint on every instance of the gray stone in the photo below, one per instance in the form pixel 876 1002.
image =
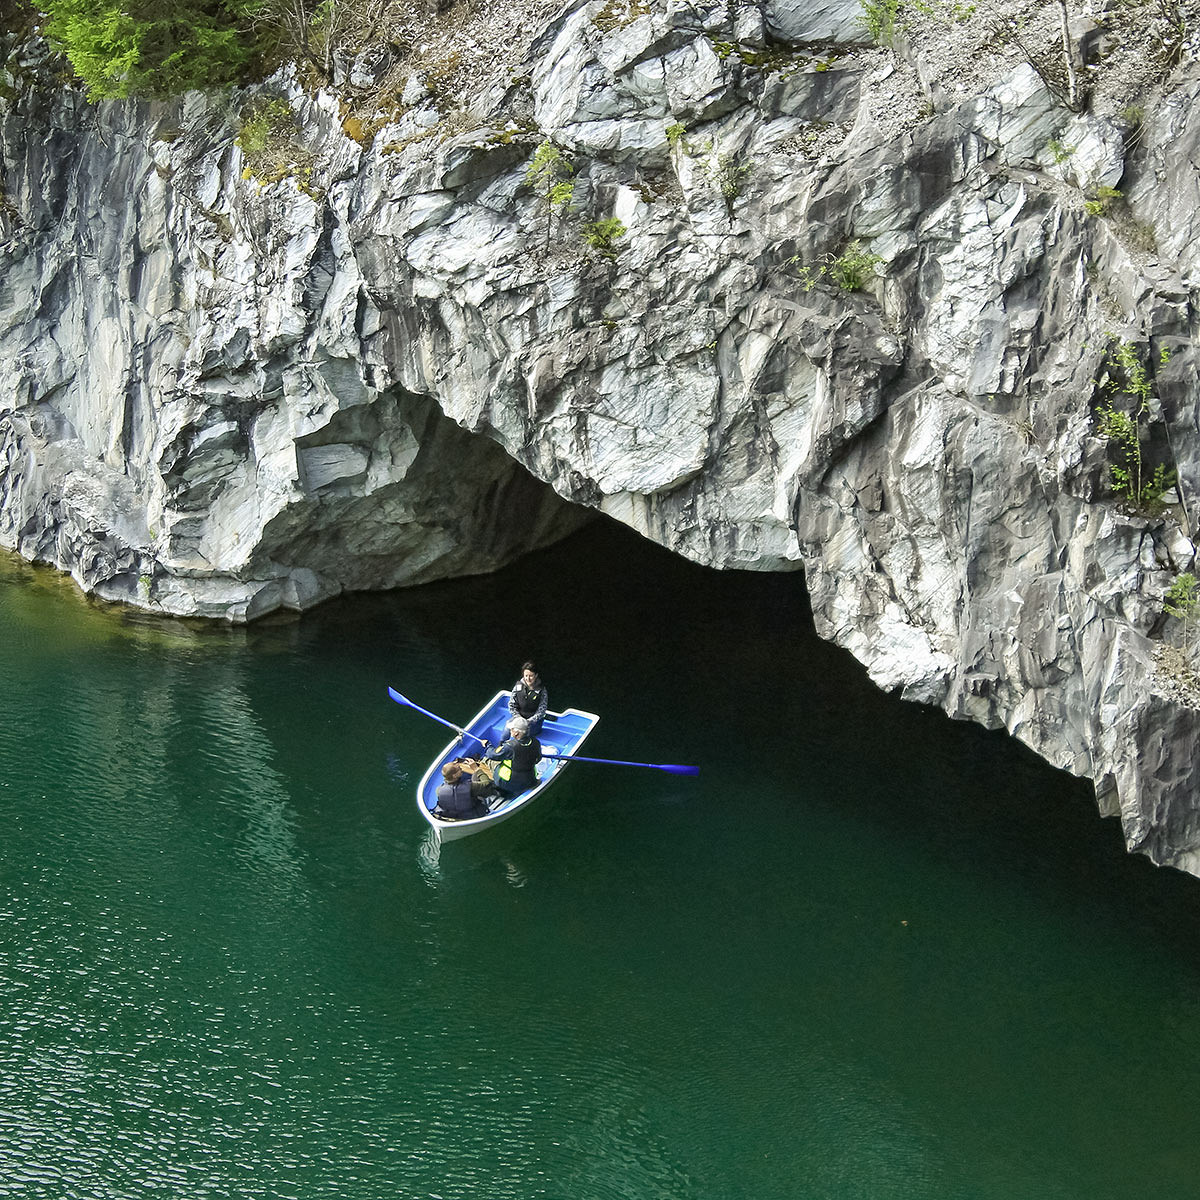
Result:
pixel 814 20
pixel 220 398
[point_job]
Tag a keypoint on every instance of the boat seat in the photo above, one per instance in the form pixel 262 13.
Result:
pixel 547 766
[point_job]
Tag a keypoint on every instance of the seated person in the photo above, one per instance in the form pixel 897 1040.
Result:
pixel 529 698
pixel 456 799
pixel 518 756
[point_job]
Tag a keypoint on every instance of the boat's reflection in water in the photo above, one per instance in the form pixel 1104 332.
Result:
pixel 429 857
pixel 504 845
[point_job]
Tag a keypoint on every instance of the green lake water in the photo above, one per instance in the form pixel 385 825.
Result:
pixel 867 953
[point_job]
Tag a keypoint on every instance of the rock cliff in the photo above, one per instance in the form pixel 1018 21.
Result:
pixel 801 302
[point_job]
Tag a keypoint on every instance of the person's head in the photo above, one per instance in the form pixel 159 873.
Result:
pixel 518 727
pixel 452 772
pixel 529 674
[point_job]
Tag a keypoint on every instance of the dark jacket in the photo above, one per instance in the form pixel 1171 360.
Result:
pixel 529 703
pixel 457 800
pixel 521 759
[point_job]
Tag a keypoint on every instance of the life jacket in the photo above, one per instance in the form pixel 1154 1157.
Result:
pixel 527 699
pixel 525 757
pixel 455 799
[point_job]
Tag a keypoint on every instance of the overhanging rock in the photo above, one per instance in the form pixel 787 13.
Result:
pixel 852 322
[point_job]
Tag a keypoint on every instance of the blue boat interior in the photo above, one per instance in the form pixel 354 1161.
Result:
pixel 560 734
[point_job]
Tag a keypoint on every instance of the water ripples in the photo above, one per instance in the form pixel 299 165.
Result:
pixel 233 964
pixel 138 1055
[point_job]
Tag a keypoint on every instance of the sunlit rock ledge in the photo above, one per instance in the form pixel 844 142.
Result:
pixel 224 394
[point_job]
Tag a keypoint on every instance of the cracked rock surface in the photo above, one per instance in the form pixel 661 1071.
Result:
pixel 227 391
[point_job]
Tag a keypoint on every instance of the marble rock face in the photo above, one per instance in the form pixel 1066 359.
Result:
pixel 223 395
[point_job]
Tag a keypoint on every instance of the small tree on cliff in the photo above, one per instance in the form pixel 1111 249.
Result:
pixel 550 174
pixel 1128 384
pixel 1182 601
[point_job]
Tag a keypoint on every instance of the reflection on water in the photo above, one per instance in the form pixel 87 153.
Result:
pixel 43 607
pixel 429 857
pixel 242 757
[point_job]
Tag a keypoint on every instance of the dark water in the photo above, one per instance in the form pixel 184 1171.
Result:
pixel 867 953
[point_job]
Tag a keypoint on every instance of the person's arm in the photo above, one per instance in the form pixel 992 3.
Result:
pixel 512 701
pixel 541 712
pixel 502 751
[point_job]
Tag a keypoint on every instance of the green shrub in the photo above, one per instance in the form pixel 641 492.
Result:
pixel 153 47
pixel 262 122
pixel 1129 386
pixel 617 13
pixel 1102 201
pixel 879 19
pixel 851 270
pixel 550 175
pixel 1058 151
pixel 1182 601
pixel 269 145
pixel 601 235
pixel 730 177
pixel 853 267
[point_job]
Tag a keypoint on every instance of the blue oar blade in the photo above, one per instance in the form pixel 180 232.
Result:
pixel 399 699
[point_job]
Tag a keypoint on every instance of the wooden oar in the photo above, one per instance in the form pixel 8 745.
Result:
pixel 399 699
pixel 619 762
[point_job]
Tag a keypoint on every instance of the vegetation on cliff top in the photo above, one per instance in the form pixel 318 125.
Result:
pixel 449 49
pixel 145 47
pixel 163 47
pixel 153 48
